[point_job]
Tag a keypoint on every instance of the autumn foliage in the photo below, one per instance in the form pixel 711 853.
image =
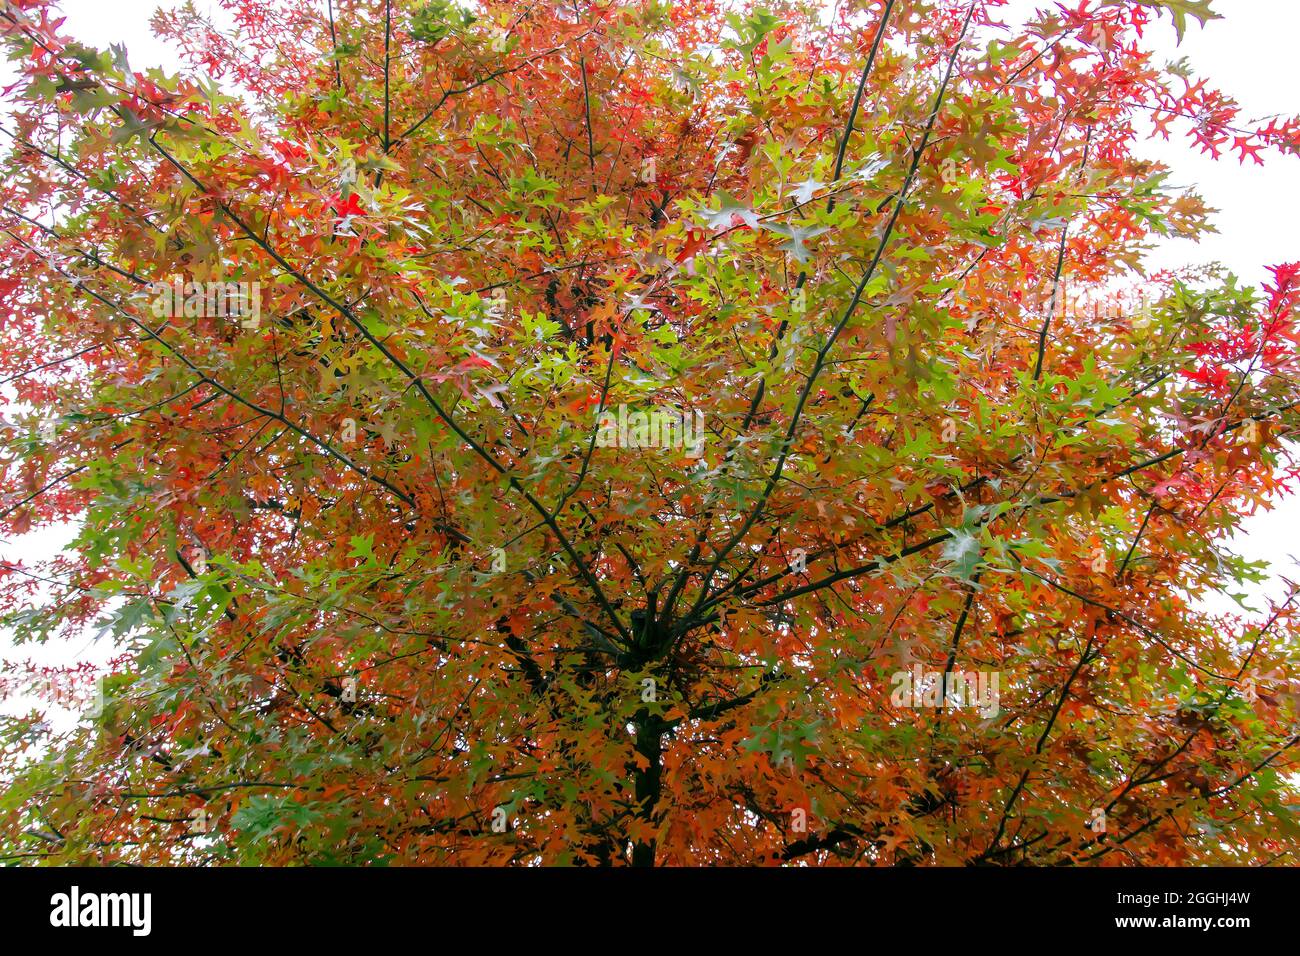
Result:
pixel 382 597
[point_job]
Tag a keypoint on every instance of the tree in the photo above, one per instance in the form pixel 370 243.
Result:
pixel 640 432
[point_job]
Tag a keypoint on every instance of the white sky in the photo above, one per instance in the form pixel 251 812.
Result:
pixel 1249 55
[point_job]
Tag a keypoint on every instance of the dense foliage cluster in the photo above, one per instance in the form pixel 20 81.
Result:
pixel 852 297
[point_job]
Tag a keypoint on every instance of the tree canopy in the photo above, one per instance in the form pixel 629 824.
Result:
pixel 640 432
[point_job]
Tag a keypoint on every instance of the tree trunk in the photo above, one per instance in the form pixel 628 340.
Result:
pixel 649 746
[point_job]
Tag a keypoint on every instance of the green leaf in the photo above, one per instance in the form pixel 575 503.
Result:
pixel 260 817
pixel 964 551
pixel 1180 9
pixel 363 547
pixel 133 126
